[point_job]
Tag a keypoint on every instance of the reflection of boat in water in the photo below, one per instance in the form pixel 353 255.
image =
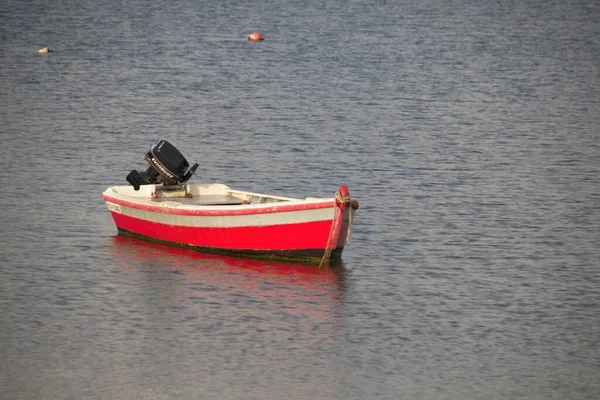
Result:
pixel 210 312
pixel 135 255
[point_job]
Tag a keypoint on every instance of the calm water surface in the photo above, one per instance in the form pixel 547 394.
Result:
pixel 468 130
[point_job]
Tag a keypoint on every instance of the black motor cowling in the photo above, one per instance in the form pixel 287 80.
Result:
pixel 167 166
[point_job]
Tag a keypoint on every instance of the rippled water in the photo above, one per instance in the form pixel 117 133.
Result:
pixel 468 131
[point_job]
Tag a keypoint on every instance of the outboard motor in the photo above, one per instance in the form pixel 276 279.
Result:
pixel 167 166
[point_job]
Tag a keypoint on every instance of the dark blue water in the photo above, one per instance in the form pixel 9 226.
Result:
pixel 468 130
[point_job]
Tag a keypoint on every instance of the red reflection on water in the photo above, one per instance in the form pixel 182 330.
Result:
pixel 192 262
pixel 228 305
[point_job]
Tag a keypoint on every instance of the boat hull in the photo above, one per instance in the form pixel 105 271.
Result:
pixel 309 255
pixel 314 230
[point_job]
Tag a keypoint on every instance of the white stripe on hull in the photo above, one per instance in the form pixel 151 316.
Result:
pixel 225 221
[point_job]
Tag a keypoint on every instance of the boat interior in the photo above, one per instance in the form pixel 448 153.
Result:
pixel 206 194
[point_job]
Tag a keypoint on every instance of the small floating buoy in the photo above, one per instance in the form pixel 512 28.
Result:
pixel 44 50
pixel 255 37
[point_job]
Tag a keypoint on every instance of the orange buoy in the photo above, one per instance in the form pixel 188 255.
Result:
pixel 255 37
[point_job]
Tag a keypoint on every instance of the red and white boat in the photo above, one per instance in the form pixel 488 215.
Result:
pixel 159 205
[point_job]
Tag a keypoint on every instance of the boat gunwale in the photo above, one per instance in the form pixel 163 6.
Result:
pixel 171 206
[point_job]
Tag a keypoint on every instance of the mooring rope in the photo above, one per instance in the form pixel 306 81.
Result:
pixel 327 252
pixel 349 224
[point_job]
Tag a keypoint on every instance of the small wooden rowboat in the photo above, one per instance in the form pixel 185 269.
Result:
pixel 160 206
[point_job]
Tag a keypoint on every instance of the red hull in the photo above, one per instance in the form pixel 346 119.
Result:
pixel 277 237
